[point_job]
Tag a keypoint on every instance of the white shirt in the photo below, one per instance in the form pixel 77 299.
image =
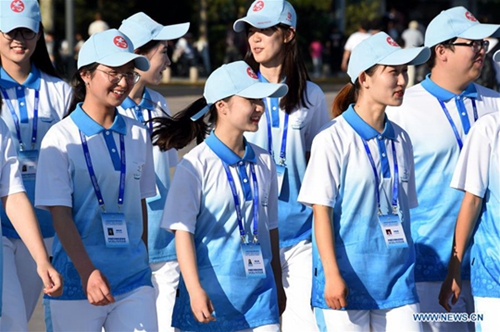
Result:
pixel 477 172
pixel 354 39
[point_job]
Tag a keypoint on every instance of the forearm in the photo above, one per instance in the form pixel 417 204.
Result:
pixel 71 240
pixel 466 222
pixel 20 212
pixel 186 256
pixel 325 241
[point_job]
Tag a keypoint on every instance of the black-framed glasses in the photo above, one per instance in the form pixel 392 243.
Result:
pixel 115 78
pixel 476 45
pixel 26 34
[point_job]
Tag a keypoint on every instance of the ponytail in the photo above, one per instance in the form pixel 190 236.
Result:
pixel 175 132
pixel 349 94
pixel 346 96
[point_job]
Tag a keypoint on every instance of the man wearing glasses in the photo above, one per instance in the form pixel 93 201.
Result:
pixel 438 114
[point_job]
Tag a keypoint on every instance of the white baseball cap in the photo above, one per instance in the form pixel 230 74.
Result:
pixel 457 22
pixel 111 48
pixel 19 14
pixel 383 50
pixel 267 13
pixel 141 29
pixel 237 79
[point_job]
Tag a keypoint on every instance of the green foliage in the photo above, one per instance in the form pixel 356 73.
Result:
pixel 356 12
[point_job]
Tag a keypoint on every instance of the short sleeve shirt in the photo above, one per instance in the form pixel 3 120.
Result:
pixel 339 175
pixel 64 180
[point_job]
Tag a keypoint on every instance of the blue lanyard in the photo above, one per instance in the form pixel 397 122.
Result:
pixel 395 188
pixel 283 139
pixel 16 119
pixel 239 215
pixel 140 117
pixel 93 178
pixel 450 120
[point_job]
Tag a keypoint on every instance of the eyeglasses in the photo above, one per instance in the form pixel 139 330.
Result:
pixel 115 78
pixel 26 34
pixel 476 45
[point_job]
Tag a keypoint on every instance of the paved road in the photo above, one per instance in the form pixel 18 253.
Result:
pixel 179 96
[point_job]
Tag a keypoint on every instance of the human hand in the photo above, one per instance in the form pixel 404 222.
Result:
pixel 201 306
pixel 336 292
pixel 52 280
pixel 97 288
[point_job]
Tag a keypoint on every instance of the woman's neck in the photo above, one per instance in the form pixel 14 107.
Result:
pixel 103 115
pixel 271 73
pixel 373 114
pixel 137 92
pixel 233 140
pixel 18 71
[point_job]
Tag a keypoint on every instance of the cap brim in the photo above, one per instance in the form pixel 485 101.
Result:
pixel 260 22
pixel 407 56
pixel 8 24
pixel 481 31
pixel 255 91
pixel 263 90
pixel 119 59
pixel 170 32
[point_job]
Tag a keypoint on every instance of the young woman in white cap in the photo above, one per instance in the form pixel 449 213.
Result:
pixel 21 213
pixel 360 183
pixel 35 98
pixel 224 210
pixel 286 132
pixel 149 39
pixel 479 217
pixel 97 170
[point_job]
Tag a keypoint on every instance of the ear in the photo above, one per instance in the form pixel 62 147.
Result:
pixel 363 80
pixel 442 53
pixel 221 106
pixel 85 76
pixel 289 35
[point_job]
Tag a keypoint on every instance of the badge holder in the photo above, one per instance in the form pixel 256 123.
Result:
pixel 392 229
pixel 28 161
pixel 252 259
pixel 115 230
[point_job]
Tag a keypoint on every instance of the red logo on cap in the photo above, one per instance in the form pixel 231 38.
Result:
pixel 17 6
pixel 251 73
pixel 289 17
pixel 470 17
pixel 120 42
pixel 391 42
pixel 259 5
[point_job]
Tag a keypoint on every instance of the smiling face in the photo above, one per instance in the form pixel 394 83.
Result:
pixel 159 61
pixel 240 114
pixel 15 48
pixel 100 89
pixel 385 86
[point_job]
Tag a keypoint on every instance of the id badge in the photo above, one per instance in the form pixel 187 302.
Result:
pixel 253 261
pixel 393 232
pixel 280 171
pixel 28 161
pixel 115 230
